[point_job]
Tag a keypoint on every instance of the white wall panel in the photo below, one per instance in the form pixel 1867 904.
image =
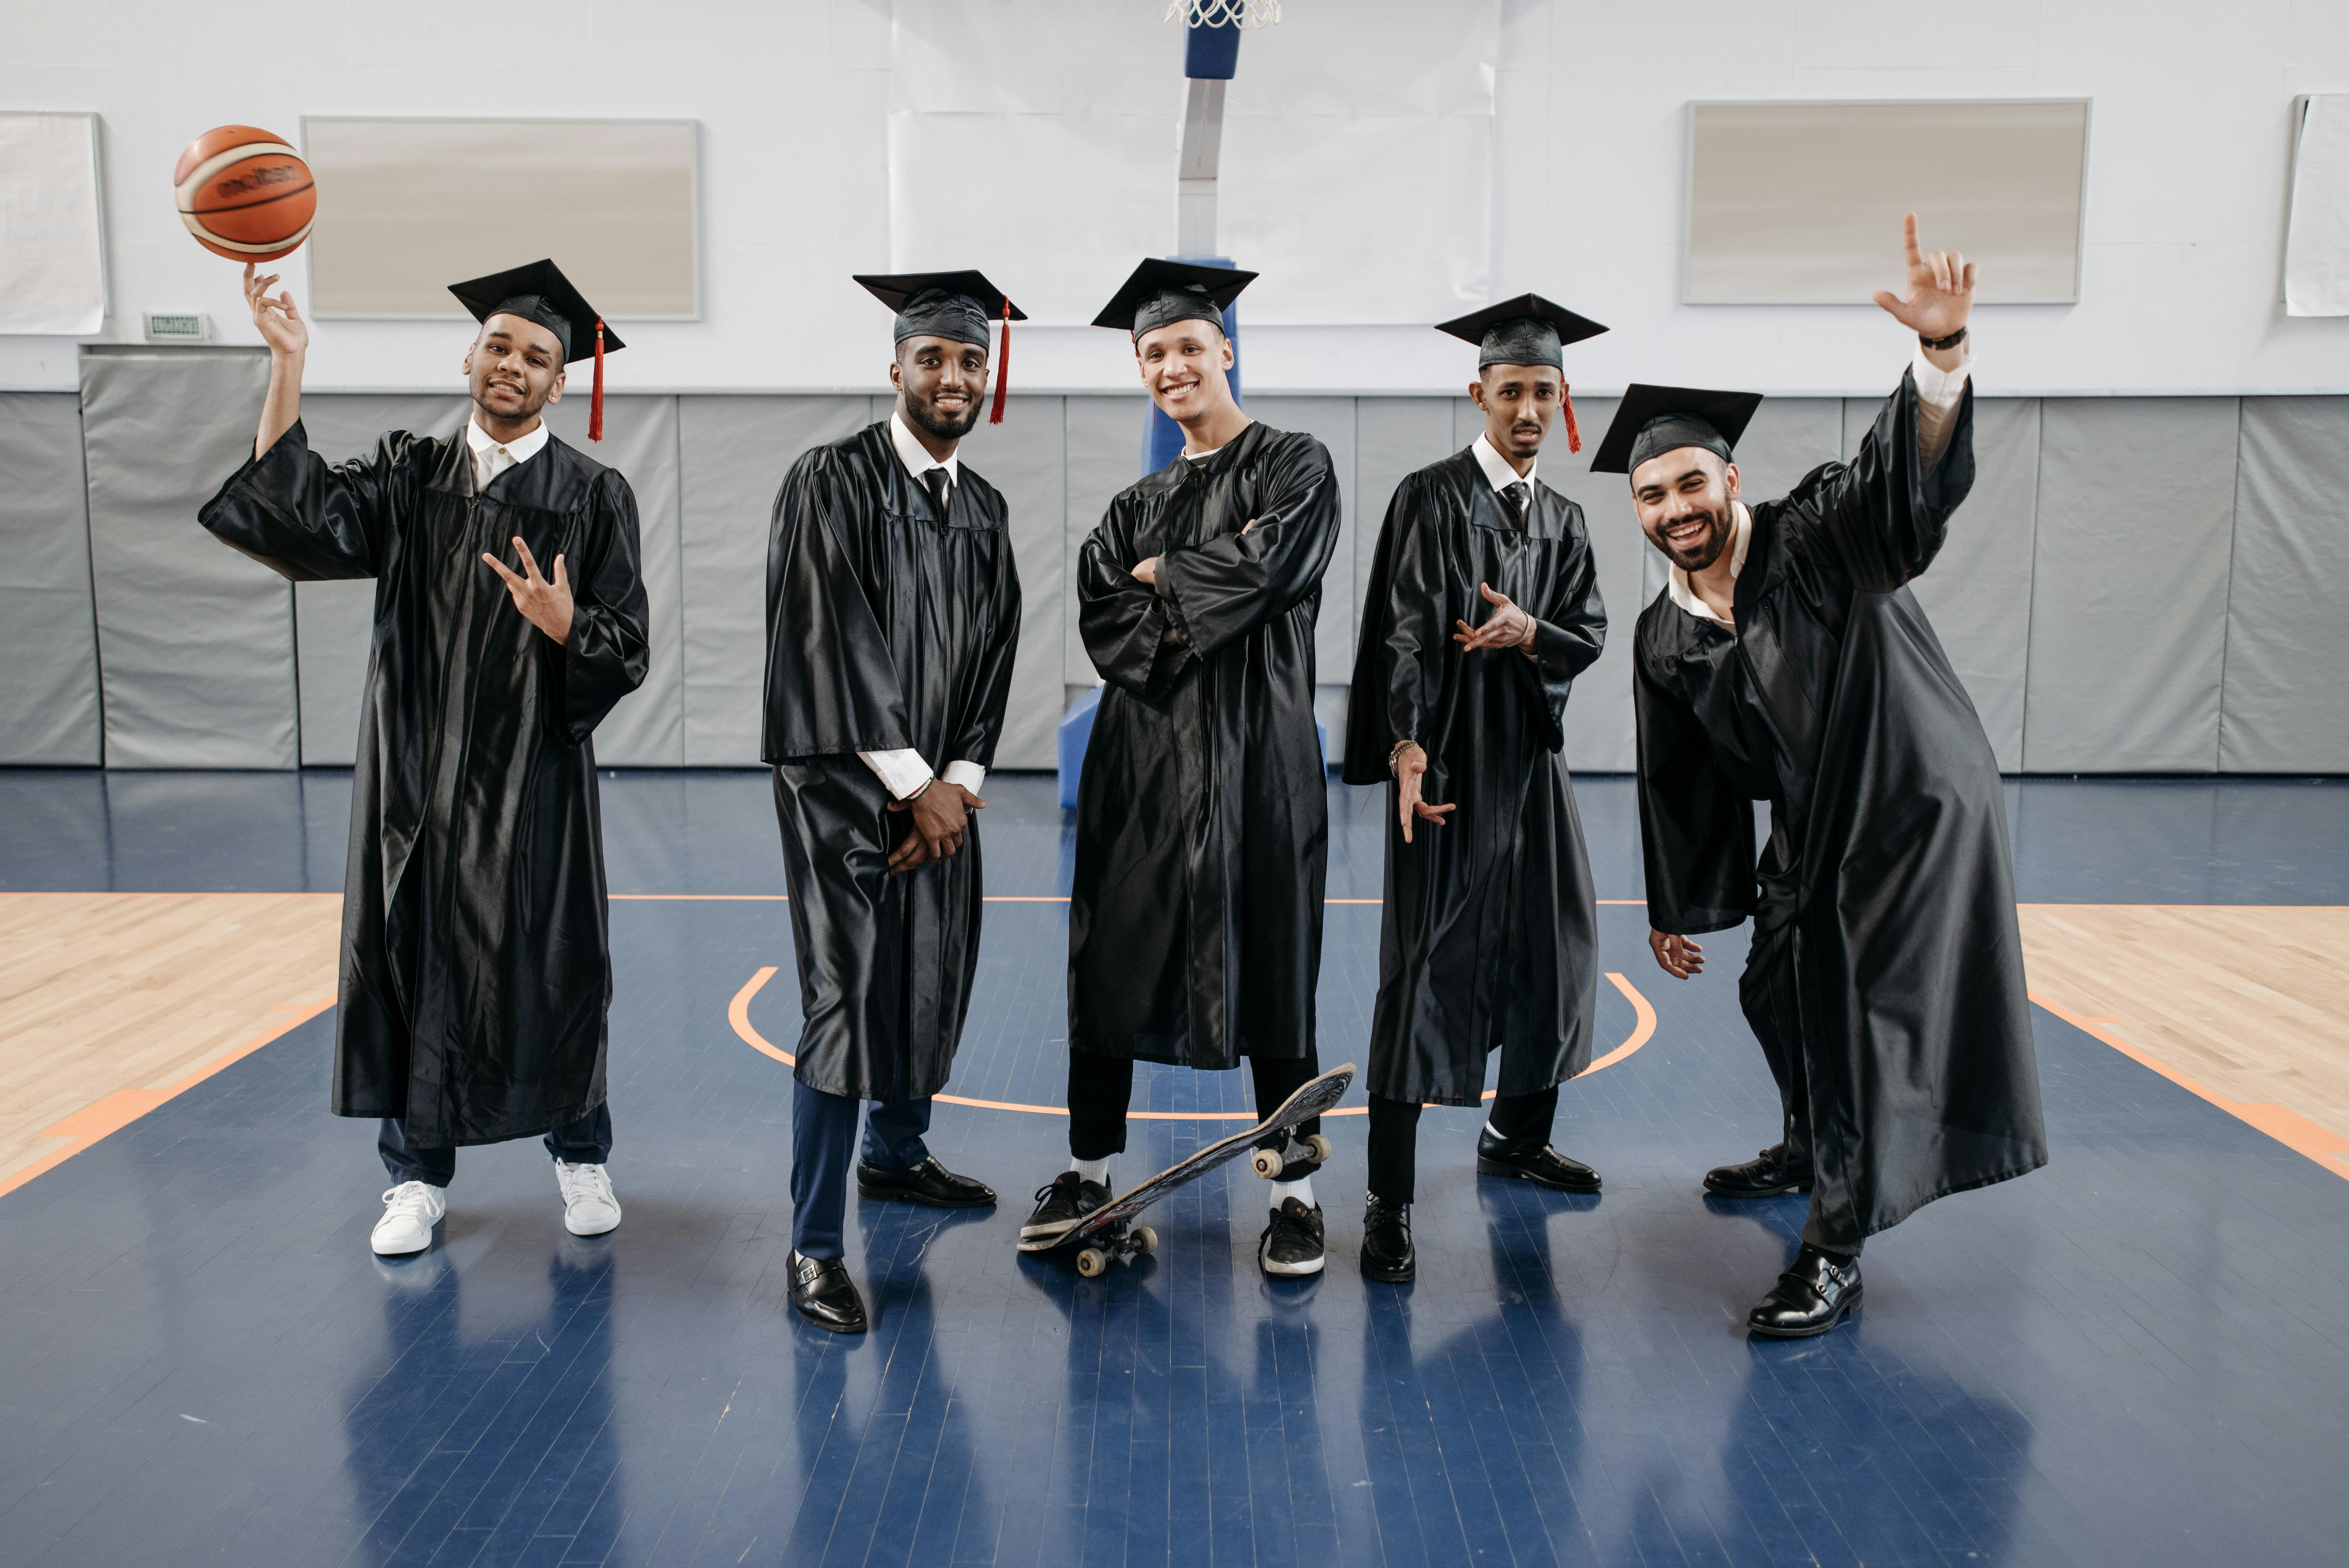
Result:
pixel 2128 604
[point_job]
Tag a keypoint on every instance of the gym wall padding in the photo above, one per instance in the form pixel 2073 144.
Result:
pixel 733 453
pixel 334 622
pixel 2143 588
pixel 48 636
pixel 2284 699
pixel 2128 598
pixel 195 641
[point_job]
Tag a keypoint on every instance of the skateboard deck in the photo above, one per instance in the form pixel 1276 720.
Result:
pixel 1109 1236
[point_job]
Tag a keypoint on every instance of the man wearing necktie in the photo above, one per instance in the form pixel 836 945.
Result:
pixel 893 611
pixel 1483 607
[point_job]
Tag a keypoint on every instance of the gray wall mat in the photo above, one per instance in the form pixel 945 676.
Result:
pixel 2128 605
pixel 334 622
pixel 1026 458
pixel 2284 705
pixel 1600 729
pixel 734 452
pixel 50 711
pixel 1105 456
pixel 1394 436
pixel 1978 591
pixel 646 727
pixel 195 641
pixel 1332 421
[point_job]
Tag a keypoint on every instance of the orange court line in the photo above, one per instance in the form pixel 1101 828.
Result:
pixel 2327 1148
pixel 738 1013
pixel 118 1110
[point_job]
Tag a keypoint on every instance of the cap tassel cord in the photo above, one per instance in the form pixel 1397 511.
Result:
pixel 1573 431
pixel 596 397
pixel 1002 366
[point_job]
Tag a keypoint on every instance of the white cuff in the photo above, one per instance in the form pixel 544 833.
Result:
pixel 970 775
pixel 902 773
pixel 1939 393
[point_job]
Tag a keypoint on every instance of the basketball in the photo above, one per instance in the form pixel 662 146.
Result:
pixel 244 193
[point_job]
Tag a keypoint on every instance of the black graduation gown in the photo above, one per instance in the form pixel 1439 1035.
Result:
pixel 1832 699
pixel 1488 936
pixel 476 971
pixel 886 630
pixel 1202 820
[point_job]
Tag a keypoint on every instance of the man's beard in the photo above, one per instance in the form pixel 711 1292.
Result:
pixel 945 427
pixel 1708 548
pixel 531 406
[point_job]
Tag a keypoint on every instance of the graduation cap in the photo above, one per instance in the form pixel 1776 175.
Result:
pixel 1160 293
pixel 1527 330
pixel 540 293
pixel 957 306
pixel 1652 420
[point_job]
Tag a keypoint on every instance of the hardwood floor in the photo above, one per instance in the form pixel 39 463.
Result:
pixel 112 1002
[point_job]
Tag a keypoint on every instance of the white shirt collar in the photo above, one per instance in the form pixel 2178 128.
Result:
pixel 1741 534
pixel 916 457
pixel 521 449
pixel 1496 467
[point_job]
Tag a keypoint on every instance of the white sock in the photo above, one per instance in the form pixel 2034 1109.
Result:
pixel 1092 1170
pixel 1301 1190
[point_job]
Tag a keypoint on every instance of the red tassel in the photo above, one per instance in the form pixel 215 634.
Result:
pixel 1573 432
pixel 595 398
pixel 1002 365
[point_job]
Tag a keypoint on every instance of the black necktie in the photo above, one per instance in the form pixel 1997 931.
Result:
pixel 1521 499
pixel 936 479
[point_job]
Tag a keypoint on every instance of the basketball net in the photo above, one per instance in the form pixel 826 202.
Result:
pixel 1224 12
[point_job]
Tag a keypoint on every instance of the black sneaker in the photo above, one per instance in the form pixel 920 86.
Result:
pixel 1387 1253
pixel 1061 1205
pixel 1291 1242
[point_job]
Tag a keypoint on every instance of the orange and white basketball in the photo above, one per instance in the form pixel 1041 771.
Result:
pixel 244 193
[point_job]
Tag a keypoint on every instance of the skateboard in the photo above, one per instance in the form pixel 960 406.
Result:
pixel 1108 1234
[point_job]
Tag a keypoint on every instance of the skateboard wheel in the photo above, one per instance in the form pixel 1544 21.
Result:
pixel 1145 1241
pixel 1092 1261
pixel 1268 1162
pixel 1320 1147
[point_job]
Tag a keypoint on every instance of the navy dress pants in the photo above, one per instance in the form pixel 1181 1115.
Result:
pixel 823 1146
pixel 586 1141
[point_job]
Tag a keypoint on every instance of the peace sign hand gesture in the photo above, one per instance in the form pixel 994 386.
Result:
pixel 1940 289
pixel 546 605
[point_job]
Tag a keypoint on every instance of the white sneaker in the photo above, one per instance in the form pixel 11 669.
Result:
pixel 588 1207
pixel 409 1212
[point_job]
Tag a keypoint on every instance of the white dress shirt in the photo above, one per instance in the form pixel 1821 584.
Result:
pixel 902 772
pixel 490 459
pixel 1496 468
pixel 1938 392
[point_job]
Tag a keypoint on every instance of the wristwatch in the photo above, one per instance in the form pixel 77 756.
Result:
pixel 1396 754
pixel 1949 342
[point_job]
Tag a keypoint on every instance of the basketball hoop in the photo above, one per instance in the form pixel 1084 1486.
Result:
pixel 1224 12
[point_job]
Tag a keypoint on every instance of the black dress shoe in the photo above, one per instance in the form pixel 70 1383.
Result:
pixel 1387 1254
pixel 1809 1298
pixel 1523 1159
pixel 825 1296
pixel 929 1182
pixel 1775 1172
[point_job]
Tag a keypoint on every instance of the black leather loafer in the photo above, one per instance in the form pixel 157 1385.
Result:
pixel 929 1182
pixel 825 1295
pixel 1387 1254
pixel 1767 1177
pixel 1526 1161
pixel 1809 1298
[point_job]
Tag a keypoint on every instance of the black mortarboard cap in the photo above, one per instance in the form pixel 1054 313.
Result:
pixel 1161 293
pixel 540 293
pixel 1651 421
pixel 1527 330
pixel 957 306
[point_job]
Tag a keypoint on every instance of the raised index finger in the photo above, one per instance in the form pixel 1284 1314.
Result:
pixel 1909 239
pixel 528 564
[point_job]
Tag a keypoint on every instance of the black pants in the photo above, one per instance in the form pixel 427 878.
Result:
pixel 586 1141
pixel 1394 1136
pixel 1100 1089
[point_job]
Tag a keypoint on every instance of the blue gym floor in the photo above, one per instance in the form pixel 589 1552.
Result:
pixel 2138 1355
